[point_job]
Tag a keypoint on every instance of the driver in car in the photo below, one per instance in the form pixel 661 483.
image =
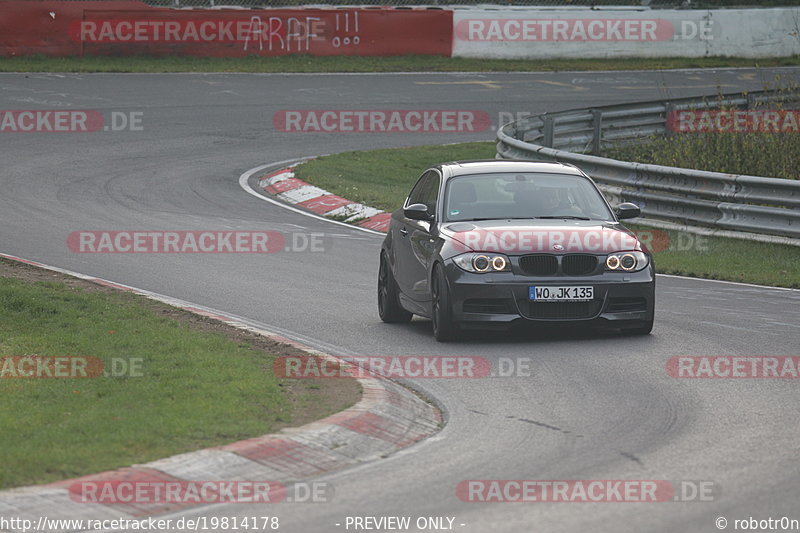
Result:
pixel 545 202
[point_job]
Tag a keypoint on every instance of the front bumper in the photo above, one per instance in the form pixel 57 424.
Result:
pixel 500 299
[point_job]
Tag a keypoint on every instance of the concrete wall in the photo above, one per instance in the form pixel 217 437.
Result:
pixel 121 28
pixel 124 27
pixel 609 33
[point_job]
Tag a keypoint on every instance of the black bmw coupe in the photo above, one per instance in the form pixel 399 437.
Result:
pixel 491 244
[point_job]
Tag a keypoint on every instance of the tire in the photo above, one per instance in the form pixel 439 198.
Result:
pixel 444 328
pixel 389 307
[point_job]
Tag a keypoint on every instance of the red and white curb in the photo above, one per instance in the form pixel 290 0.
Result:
pixel 388 418
pixel 283 185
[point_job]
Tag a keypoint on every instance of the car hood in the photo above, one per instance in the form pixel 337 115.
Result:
pixel 539 236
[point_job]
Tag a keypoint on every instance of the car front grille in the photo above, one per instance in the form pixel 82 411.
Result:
pixel 539 264
pixel 549 264
pixel 578 264
pixel 564 310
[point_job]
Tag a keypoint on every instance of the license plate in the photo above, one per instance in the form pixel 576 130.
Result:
pixel 560 294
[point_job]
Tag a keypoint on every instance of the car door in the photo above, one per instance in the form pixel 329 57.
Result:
pixel 401 228
pixel 416 246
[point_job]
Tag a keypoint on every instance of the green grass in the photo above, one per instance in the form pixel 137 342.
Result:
pixel 757 154
pixel 305 63
pixel 727 259
pixel 192 389
pixel 773 149
pixel 383 178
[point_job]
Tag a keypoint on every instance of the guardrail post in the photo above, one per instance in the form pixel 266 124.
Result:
pixel 548 131
pixel 668 109
pixel 597 130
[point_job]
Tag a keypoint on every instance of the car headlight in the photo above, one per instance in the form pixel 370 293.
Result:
pixel 627 261
pixel 482 263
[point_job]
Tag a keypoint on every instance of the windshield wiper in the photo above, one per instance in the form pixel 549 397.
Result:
pixel 568 217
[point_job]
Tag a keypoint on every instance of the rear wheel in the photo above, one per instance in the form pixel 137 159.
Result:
pixel 444 329
pixel 389 307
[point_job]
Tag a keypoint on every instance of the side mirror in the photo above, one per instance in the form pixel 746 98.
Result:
pixel 627 210
pixel 417 212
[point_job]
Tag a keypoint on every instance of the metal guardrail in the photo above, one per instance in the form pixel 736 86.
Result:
pixel 751 204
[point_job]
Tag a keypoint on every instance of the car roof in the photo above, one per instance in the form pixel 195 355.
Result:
pixel 463 168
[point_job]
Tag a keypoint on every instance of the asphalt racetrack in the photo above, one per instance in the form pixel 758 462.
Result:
pixel 596 406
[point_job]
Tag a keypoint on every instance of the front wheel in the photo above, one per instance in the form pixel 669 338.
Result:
pixel 444 328
pixel 389 307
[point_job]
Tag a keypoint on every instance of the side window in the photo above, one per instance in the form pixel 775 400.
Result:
pixel 426 191
pixel 432 192
pixel 419 192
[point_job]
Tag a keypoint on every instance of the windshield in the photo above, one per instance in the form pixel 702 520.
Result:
pixel 523 195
